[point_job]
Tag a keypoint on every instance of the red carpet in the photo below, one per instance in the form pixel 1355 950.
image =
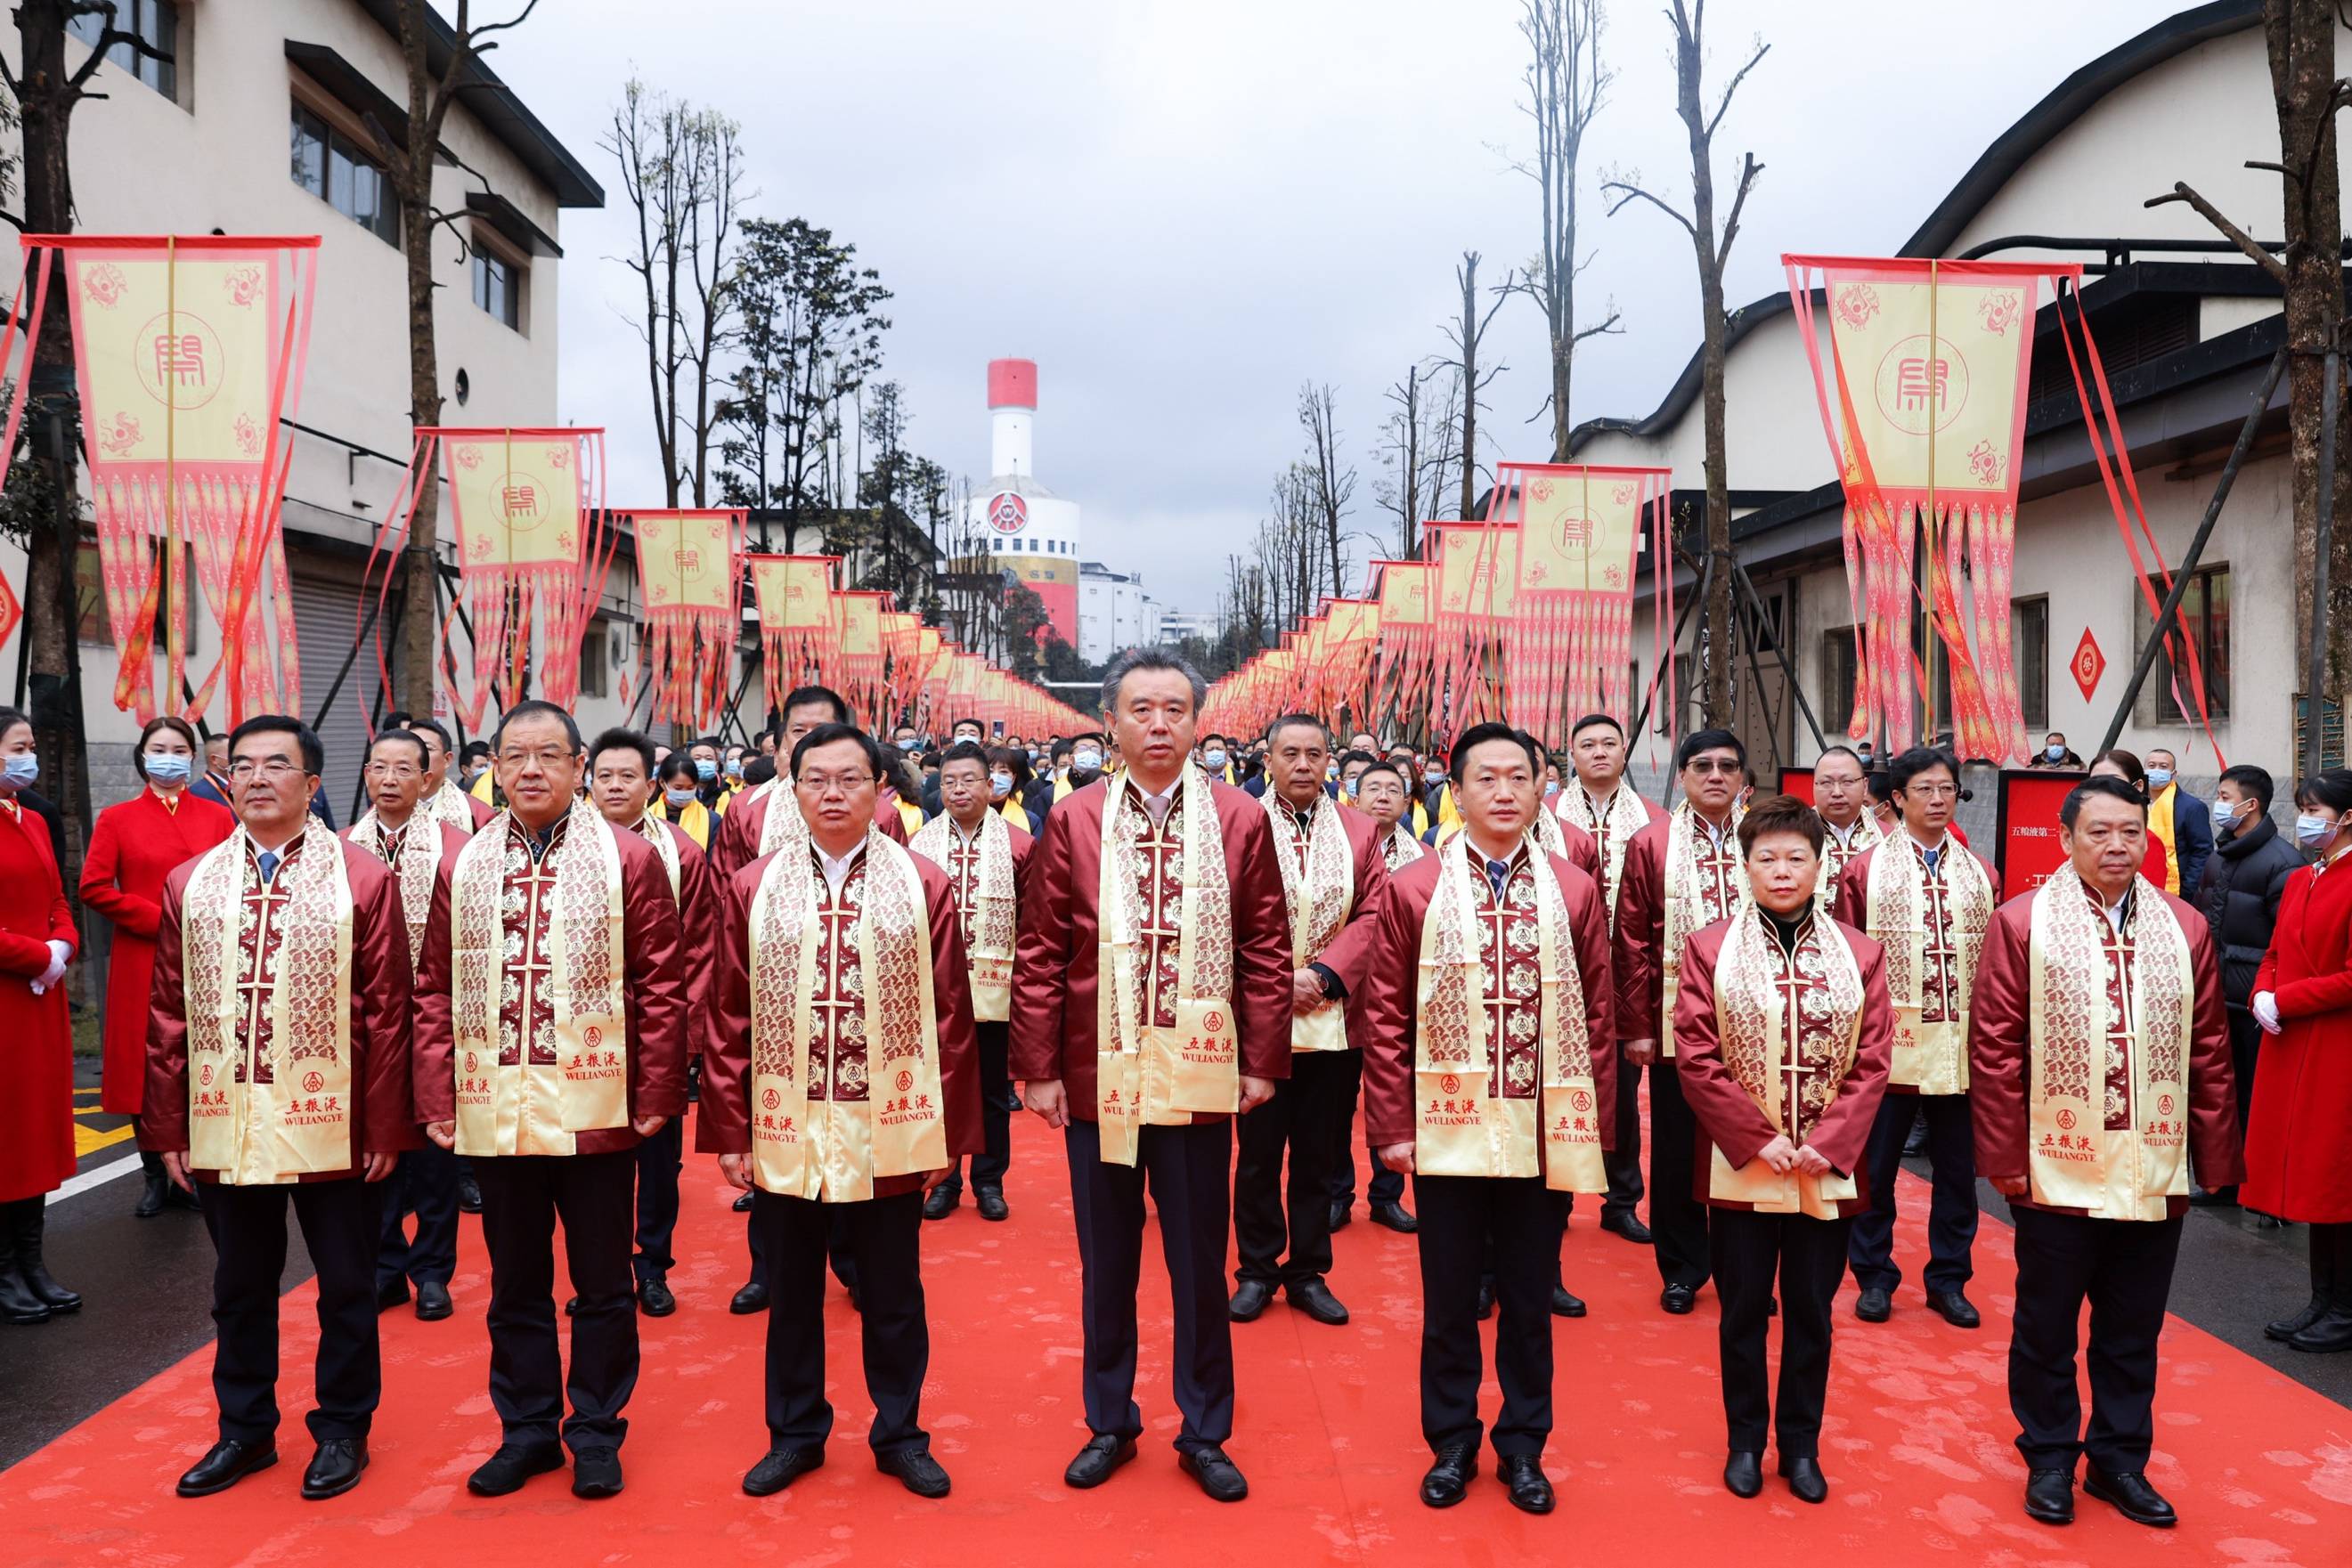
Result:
pixel 1917 1447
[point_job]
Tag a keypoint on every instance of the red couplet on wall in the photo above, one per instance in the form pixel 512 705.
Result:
pixel 2028 846
pixel 1798 781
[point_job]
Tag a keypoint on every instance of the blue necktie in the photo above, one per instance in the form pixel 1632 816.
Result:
pixel 268 860
pixel 1499 872
pixel 1931 856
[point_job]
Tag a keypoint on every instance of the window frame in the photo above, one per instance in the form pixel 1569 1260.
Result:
pixel 2032 675
pixel 336 136
pixel 484 251
pixel 2196 617
pixel 596 646
pixel 158 77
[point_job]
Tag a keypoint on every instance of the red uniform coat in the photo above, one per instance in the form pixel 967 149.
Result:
pixel 724 1124
pixel 699 932
pixel 735 842
pixel 1393 1014
pixel 652 992
pixel 1730 1119
pixel 135 844
pixel 1023 843
pixel 37 1136
pixel 1853 904
pixel 1999 1047
pixel 1349 954
pixel 383 1119
pixel 1642 932
pixel 2299 1147
pixel 1056 962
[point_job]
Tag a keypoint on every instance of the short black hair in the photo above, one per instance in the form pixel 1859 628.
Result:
pixel 1781 815
pixel 1588 720
pixel 1481 734
pixel 619 738
pixel 2257 782
pixel 955 724
pixel 432 727
pixel 809 696
pixel 832 733
pixel 965 751
pixel 677 764
pixel 2114 788
pixel 1703 740
pixel 1098 737
pixel 761 769
pixel 2332 789
pixel 1917 760
pixel 399 718
pixel 423 755
pixel 306 739
pixel 1392 769
pixel 1305 719
pixel 534 709
pixel 1012 758
pixel 472 749
pixel 1060 748
pixel 1359 755
pixel 2133 768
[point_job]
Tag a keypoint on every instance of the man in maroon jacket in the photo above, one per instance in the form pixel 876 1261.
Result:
pixel 1144 1078
pixel 552 1038
pixel 278 1065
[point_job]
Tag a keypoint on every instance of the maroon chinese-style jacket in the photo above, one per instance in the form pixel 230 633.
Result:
pixel 1348 952
pixel 698 927
pixel 653 990
pixel 723 1124
pixel 1057 961
pixel 1728 1119
pixel 1024 844
pixel 1642 932
pixel 382 1121
pixel 735 843
pixel 1393 968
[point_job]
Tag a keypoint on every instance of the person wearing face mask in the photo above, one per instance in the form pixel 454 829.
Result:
pixel 681 799
pixel 2295 1163
pixel 2180 821
pixel 2056 756
pixel 1216 759
pixel 1086 756
pixel 1437 800
pixel 37 1130
pixel 1008 787
pixel 134 845
pixel 2243 884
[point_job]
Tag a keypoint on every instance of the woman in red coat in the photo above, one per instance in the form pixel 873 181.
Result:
pixel 2296 1165
pixel 37 938
pixel 136 843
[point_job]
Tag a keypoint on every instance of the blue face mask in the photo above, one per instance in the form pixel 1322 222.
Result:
pixel 1550 789
pixel 20 770
pixel 735 769
pixel 2157 777
pixel 2311 832
pixel 705 770
pixel 1000 784
pixel 1214 757
pixel 1086 761
pixel 2055 753
pixel 163 768
pixel 678 797
pixel 2225 816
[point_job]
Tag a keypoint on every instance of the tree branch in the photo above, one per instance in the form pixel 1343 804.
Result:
pixel 2230 231
pixel 1762 50
pixel 1748 170
pixel 1635 194
pixel 1608 326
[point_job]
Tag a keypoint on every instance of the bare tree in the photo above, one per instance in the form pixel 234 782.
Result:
pixel 1468 335
pixel 1331 482
pixel 1566 86
pixel 1402 455
pixel 1689 19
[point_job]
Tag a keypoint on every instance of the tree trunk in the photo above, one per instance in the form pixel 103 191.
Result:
pixel 1468 273
pixel 420 628
pixel 1719 632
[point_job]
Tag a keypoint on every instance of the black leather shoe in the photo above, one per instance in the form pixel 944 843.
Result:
pixel 512 1465
pixel 2222 1198
pixel 752 1298
pixel 2287 1328
pixel 17 1303
pixel 1450 1477
pixel 992 1204
pixel 1395 1217
pixel 1874 1306
pixel 2132 1496
pixel 1914 1142
pixel 1564 1305
pixel 1314 1298
pixel 654 1298
pixel 1218 1476
pixel 916 1469
pixel 433 1301
pixel 941 1201
pixel 1342 1215
pixel 1804 1477
pixel 1955 1308
pixel 1744 1473
pixel 1628 1225
pixel 1103 1454
pixel 742 1203
pixel 2327 1334
pixel 335 1468
pixel 469 1194
pixel 393 1292
pixel 48 1291
pixel 177 1197
pixel 1249 1300
pixel 1485 1298
pixel 2050 1496
pixel 1678 1299
pixel 151 1201
pixel 780 1467
pixel 227 1463
pixel 1523 1476
pixel 597 1472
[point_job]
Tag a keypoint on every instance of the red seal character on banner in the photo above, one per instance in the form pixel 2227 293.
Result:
pixel 2088 663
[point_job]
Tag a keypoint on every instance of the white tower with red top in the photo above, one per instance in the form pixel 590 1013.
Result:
pixel 1023 527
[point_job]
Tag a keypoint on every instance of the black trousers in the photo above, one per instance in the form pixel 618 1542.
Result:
pixel 989 1166
pixel 884 1234
pixel 1951 1209
pixel 1461 1218
pixel 522 1197
pixel 425 1184
pixel 1677 1220
pixel 2125 1267
pixel 1387 1186
pixel 1311 1116
pixel 340 1223
pixel 1189 1169
pixel 659 1160
pixel 2245 1045
pixel 1808 1256
pixel 1622 1164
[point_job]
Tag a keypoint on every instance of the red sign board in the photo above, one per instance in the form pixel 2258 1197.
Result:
pixel 2028 817
pixel 1798 781
pixel 2088 663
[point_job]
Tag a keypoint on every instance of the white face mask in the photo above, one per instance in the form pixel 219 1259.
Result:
pixel 1086 761
pixel 1000 784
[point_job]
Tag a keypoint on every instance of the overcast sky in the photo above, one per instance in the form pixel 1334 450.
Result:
pixel 1181 211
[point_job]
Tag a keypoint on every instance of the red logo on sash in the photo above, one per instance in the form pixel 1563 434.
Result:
pixel 595 1037
pixel 1450 1084
pixel 906 1080
pixel 1215 1021
pixel 473 1063
pixel 771 1099
pixel 2164 1104
pixel 1581 1100
pixel 312 1082
pixel 206 1078
pixel 2066 1120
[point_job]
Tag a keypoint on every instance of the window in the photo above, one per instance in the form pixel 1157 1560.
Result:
pixel 156 24
pixel 595 657
pixel 2029 645
pixel 497 285
pixel 329 165
pixel 1837 678
pixel 94 630
pixel 2205 618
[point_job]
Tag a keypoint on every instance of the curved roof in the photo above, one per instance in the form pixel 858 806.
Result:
pixel 2040 126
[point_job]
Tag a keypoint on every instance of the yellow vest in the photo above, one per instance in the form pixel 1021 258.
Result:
pixel 693 820
pixel 2160 825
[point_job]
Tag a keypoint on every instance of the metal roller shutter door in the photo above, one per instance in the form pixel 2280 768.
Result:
pixel 326 618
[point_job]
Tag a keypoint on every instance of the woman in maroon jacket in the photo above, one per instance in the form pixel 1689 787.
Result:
pixel 1779 1003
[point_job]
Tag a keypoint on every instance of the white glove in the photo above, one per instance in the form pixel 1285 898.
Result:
pixel 2265 1011
pixel 58 953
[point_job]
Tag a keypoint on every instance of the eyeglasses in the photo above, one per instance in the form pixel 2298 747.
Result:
pixel 823 784
pixel 1931 791
pixel 270 768
pixel 1714 764
pixel 401 771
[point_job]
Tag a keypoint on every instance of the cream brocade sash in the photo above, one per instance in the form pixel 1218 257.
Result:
pixel 987 956
pixel 448 804
pixel 1836 857
pixel 254 1134
pixel 2075 1159
pixel 781 825
pixel 1930 1057
pixel 1319 899
pixel 834 1149
pixel 1751 1010
pixel 420 858
pixel 1400 848
pixel 507 1103
pixel 1625 816
pixel 656 832
pixel 1685 912
pixel 1147 1075
pixel 1461 1126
